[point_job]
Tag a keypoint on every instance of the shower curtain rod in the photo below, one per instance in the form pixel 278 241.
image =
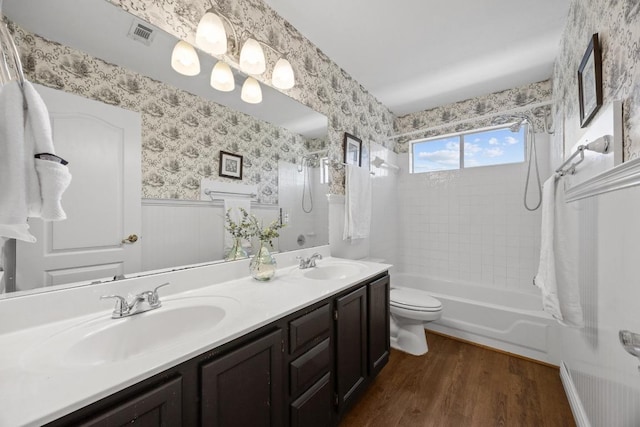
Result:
pixel 473 119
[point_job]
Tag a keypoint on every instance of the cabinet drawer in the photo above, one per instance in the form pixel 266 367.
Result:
pixel 306 369
pixel 311 327
pixel 313 408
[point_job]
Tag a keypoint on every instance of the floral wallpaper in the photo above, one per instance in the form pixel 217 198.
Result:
pixel 182 134
pixel 320 83
pixel 476 107
pixel 617 23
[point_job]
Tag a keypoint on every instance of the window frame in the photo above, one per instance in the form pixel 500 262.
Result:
pixel 461 135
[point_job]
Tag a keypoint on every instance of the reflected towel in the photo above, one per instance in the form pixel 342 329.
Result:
pixel 233 206
pixel 15 166
pixel 47 179
pixel 357 203
pixel 557 275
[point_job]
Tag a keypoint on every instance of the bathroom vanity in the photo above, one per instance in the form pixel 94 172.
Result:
pixel 298 352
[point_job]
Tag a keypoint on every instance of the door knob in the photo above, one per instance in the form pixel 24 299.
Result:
pixel 131 239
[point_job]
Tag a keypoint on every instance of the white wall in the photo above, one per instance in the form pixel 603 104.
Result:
pixel 606 377
pixel 471 224
pixel 181 232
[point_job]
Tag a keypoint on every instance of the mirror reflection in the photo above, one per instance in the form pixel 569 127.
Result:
pixel 141 140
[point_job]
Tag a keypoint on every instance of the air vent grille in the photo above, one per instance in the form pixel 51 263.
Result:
pixel 142 32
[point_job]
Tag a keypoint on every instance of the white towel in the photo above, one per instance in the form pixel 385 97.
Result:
pixel 14 164
pixel 54 178
pixel 235 204
pixel 557 275
pixel 21 182
pixel 357 203
pixel 47 179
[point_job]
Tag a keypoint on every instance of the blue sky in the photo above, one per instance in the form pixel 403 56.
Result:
pixel 493 147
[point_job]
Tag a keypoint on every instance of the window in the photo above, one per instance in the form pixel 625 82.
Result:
pixel 488 147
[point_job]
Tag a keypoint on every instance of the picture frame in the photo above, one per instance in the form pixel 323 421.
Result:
pixel 352 150
pixel 230 165
pixel 590 82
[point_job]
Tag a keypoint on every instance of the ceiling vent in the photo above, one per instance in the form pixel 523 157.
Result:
pixel 142 32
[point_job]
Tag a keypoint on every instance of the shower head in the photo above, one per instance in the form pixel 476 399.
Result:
pixel 515 127
pixel 519 120
pixel 377 162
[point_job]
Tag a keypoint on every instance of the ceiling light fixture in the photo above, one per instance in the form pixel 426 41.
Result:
pixel 222 77
pixel 252 59
pixel 211 37
pixel 282 76
pixel 251 91
pixel 184 59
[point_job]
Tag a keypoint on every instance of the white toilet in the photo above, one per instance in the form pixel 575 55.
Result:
pixel 410 309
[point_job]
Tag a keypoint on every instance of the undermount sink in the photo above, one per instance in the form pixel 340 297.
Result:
pixel 333 270
pixel 106 340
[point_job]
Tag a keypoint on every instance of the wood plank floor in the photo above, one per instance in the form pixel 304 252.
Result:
pixel 459 384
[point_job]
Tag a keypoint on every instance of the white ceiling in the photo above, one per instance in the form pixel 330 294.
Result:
pixel 418 54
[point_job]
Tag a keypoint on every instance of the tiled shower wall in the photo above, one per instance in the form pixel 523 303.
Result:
pixel 471 224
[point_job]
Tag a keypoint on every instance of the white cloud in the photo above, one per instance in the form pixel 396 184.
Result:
pixel 494 152
pixel 493 141
pixel 452 145
pixel 442 157
pixel 470 148
pixel 511 140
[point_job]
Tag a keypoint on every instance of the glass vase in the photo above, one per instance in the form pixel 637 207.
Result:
pixel 236 251
pixel 263 265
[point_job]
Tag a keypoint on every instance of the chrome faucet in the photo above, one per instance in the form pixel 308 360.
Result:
pixel 144 301
pixel 309 262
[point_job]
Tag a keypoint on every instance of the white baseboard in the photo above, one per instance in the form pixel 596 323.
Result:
pixel 579 414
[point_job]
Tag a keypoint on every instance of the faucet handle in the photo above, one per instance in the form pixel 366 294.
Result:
pixel 154 298
pixel 121 308
pixel 313 258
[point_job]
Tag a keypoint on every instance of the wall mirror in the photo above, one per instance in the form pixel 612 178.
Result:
pixel 81 48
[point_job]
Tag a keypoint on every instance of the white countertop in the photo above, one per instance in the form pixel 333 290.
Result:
pixel 34 390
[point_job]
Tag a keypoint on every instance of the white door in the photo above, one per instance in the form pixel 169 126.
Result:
pixel 102 145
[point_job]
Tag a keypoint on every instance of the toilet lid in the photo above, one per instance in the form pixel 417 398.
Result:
pixel 414 299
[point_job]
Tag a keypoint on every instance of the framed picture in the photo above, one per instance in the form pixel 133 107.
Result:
pixel 352 150
pixel 230 165
pixel 590 82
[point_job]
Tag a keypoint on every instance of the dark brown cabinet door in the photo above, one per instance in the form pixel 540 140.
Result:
pixel 313 408
pixel 378 300
pixel 351 345
pixel 159 407
pixel 244 388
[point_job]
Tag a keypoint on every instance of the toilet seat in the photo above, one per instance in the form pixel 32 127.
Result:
pixel 414 300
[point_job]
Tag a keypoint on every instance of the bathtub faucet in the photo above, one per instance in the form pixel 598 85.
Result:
pixel 309 262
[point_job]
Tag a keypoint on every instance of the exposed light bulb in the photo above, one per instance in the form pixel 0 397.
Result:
pixel 211 35
pixel 252 59
pixel 251 91
pixel 282 76
pixel 222 77
pixel 184 59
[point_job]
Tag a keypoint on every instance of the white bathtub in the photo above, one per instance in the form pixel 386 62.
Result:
pixel 500 318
